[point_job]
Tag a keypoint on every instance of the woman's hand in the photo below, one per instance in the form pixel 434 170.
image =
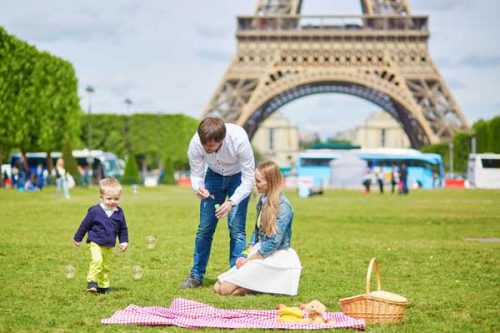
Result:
pixel 240 262
pixel 255 256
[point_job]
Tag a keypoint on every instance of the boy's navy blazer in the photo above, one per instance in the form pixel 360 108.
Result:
pixel 102 229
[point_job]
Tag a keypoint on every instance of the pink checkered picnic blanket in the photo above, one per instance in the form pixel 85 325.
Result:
pixel 191 314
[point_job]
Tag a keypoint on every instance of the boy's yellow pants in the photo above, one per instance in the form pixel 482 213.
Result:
pixel 99 264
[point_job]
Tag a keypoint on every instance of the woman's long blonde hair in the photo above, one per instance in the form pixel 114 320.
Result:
pixel 269 213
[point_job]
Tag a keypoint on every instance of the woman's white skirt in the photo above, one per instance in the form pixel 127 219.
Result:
pixel 279 273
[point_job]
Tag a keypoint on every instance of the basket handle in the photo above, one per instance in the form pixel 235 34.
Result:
pixel 373 262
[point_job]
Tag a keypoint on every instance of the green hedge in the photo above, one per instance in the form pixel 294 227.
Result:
pixel 481 129
pixel 442 149
pixel 487 135
pixel 461 151
pixel 494 135
pixel 153 138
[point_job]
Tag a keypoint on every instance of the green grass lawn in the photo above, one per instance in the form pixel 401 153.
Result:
pixel 453 285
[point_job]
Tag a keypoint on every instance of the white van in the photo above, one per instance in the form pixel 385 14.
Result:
pixel 483 171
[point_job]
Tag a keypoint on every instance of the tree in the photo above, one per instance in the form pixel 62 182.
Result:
pixel 461 151
pixel 131 175
pixel 16 66
pixel 152 137
pixel 169 171
pixel 258 157
pixel 39 108
pixel 442 149
pixel 108 132
pixel 70 163
pixel 481 133
pixel 494 135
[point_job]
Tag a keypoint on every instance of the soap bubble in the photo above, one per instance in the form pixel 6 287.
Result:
pixel 135 188
pixel 137 272
pixel 150 242
pixel 69 271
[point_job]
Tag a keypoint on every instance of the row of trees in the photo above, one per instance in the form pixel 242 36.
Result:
pixel 486 134
pixel 39 106
pixel 148 139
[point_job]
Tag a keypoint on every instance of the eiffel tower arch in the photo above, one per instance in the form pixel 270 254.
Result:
pixel 381 56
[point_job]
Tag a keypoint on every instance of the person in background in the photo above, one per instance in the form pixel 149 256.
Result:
pixel 84 175
pixel 394 177
pixel 403 179
pixel 40 176
pixel 7 182
pixel 61 179
pixel 379 173
pixel 367 180
pixel 31 184
pixel 15 175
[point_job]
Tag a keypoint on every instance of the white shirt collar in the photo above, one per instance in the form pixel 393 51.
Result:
pixel 108 211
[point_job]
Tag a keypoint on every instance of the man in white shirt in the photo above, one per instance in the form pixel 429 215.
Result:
pixel 222 173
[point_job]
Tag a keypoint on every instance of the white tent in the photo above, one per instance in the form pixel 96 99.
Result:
pixel 347 171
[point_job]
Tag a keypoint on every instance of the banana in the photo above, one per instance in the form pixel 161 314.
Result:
pixel 291 311
pixel 289 318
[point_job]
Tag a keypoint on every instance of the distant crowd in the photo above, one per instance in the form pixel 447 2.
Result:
pixel 25 178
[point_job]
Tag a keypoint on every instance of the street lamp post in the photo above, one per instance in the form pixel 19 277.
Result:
pixel 90 90
pixel 128 103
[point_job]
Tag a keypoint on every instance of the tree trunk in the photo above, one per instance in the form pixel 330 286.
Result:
pixel 50 165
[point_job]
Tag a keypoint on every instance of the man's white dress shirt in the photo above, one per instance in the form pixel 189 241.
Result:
pixel 235 155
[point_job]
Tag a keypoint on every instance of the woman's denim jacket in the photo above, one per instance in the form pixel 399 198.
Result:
pixel 281 239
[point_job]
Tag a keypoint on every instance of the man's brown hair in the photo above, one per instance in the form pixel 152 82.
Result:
pixel 211 129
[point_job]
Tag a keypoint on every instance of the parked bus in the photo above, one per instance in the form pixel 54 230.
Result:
pixel 424 170
pixel 484 170
pixel 102 164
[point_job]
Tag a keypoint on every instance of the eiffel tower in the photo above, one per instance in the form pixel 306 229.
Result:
pixel 381 56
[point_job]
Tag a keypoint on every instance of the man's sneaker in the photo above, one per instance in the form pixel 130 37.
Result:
pixel 92 287
pixel 190 282
pixel 103 290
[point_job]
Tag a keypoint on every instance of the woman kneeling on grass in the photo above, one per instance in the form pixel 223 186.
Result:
pixel 271 266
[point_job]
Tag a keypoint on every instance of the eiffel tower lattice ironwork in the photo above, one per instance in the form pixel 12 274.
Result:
pixel 381 56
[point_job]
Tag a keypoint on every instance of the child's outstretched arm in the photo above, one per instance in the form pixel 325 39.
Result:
pixel 84 227
pixel 123 235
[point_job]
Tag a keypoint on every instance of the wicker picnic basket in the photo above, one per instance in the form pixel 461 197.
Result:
pixel 376 306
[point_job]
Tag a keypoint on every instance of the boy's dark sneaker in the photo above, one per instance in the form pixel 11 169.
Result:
pixel 190 282
pixel 92 287
pixel 103 290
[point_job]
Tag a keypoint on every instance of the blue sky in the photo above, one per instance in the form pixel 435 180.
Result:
pixel 169 56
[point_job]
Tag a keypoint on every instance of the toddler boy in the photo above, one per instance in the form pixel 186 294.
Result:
pixel 103 223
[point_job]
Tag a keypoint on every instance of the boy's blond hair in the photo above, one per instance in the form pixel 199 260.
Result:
pixel 109 184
